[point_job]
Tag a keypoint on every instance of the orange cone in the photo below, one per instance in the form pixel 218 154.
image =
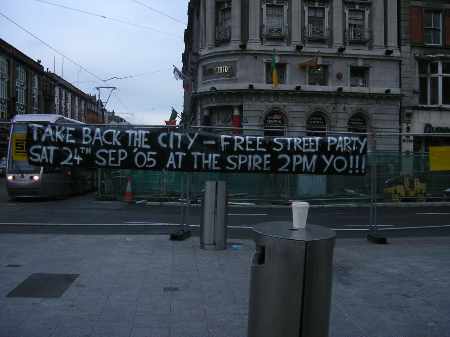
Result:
pixel 128 196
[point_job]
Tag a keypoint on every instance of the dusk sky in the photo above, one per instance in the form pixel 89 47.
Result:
pixel 107 48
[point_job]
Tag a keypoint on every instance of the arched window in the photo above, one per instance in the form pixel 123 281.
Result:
pixel 316 124
pixel 275 124
pixel 357 123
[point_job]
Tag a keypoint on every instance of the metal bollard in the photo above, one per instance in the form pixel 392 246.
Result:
pixel 213 230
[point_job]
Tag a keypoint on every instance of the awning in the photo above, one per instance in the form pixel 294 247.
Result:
pixel 314 62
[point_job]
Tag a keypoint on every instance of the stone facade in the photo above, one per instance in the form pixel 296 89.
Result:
pixel 20 83
pixel 425 43
pixel 71 102
pixel 25 88
pixel 338 62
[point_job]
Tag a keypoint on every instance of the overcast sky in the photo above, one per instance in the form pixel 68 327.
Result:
pixel 108 48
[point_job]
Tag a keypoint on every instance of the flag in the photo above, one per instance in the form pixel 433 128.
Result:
pixel 187 81
pixel 173 117
pixel 275 79
pixel 173 114
pixel 236 123
pixel 178 74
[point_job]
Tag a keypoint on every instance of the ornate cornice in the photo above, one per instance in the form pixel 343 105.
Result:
pixel 285 96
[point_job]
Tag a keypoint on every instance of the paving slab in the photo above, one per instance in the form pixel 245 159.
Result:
pixel 148 286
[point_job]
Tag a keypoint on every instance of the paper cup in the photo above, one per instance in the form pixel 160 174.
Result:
pixel 299 214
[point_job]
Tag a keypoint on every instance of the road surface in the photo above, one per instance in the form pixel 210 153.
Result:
pixel 87 210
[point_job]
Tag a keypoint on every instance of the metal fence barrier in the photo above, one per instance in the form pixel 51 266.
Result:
pixel 399 171
pixel 402 168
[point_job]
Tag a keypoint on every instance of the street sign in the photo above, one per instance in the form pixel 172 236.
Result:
pixel 19 147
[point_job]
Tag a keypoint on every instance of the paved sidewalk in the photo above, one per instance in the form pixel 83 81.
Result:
pixel 148 286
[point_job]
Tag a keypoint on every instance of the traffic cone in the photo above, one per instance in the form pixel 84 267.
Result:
pixel 128 196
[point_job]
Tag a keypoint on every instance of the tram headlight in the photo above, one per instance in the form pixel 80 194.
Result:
pixel 35 178
pixel 10 177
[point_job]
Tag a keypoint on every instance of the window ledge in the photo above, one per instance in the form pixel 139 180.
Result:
pixel 272 36
pixel 445 106
pixel 429 46
pixel 221 43
pixel 322 39
pixel 358 42
pixel 366 2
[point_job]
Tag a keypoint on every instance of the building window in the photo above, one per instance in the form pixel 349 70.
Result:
pixel 275 124
pixel 220 115
pixel 318 75
pixel 357 26
pixel 3 88
pixel 316 125
pixel 74 108
pixel 223 21
pixel 77 109
pixel 433 28
pixel 69 105
pixel 357 123
pixel 275 19
pixel 316 21
pixel 35 93
pixel 434 83
pixel 281 70
pixel 62 101
pixel 21 84
pixel 83 112
pixel 57 100
pixel 359 76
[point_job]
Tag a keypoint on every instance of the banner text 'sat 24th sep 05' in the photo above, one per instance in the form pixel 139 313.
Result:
pixel 172 150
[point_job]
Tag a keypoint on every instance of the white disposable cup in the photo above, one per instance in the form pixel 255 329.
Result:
pixel 299 214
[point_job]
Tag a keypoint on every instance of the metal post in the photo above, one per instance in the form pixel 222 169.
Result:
pixel 213 227
pixel 183 233
pixel 185 195
pixel 183 198
pixel 373 193
pixel 220 221
pixel 188 200
pixel 373 234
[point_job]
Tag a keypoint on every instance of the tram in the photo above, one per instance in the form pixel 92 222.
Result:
pixel 24 180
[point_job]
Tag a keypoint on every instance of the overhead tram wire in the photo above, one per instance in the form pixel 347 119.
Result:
pixel 99 79
pixel 121 21
pixel 132 76
pixel 159 12
pixel 124 106
pixel 50 47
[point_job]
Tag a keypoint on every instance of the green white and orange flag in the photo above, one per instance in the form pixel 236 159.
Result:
pixel 275 79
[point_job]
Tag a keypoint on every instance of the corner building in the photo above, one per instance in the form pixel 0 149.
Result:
pixel 338 63
pixel 425 42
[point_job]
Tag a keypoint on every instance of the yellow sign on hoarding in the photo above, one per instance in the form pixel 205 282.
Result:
pixel 19 146
pixel 440 158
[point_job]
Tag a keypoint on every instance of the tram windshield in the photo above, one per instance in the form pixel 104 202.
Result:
pixel 18 158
